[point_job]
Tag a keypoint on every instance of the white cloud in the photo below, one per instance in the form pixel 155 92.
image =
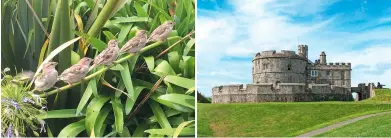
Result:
pixel 257 25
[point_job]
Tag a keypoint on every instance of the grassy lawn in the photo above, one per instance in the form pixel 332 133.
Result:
pixel 382 96
pixel 378 126
pixel 280 119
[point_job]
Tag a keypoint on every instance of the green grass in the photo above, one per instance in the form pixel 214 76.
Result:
pixel 282 119
pixel 378 126
pixel 382 96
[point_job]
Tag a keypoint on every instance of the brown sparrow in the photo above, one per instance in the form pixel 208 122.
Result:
pixel 161 33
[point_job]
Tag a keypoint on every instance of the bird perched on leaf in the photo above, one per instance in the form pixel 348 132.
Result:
pixel 136 43
pixel 47 78
pixel 161 32
pixel 108 55
pixel 76 72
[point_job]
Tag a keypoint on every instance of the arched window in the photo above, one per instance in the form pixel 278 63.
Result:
pixel 289 66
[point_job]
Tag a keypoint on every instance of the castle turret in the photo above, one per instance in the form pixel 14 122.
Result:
pixel 303 50
pixel 322 58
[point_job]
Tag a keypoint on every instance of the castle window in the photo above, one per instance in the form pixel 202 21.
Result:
pixel 314 73
pixel 289 66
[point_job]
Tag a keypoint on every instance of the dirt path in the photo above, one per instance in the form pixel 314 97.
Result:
pixel 325 129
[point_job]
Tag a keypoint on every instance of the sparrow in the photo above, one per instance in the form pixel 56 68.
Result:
pixel 136 43
pixel 47 78
pixel 161 32
pixel 108 55
pixel 76 72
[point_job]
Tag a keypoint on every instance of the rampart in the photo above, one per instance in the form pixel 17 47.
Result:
pixel 282 92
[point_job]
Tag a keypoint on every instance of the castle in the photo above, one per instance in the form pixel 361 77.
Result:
pixel 287 77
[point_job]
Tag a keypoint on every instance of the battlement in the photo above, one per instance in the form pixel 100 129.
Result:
pixel 281 54
pixel 331 66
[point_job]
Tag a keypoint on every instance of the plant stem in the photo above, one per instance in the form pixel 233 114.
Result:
pixel 103 16
pixel 107 68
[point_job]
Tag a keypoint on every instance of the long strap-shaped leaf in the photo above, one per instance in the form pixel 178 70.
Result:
pixel 72 130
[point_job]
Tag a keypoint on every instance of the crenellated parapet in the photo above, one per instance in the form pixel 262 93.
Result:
pixel 281 54
pixel 331 66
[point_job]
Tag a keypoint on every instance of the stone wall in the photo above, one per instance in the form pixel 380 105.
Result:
pixel 283 92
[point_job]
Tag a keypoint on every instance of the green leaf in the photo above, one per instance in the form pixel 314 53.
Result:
pixel 163 14
pixel 180 81
pixel 124 31
pixel 125 132
pixel 127 79
pixel 160 116
pixel 188 66
pixel 179 9
pixel 187 131
pixel 173 59
pixel 164 68
pixel 63 113
pixel 139 131
pixel 181 99
pixel 181 127
pixel 188 47
pixel 129 102
pixel 111 134
pixel 30 35
pixel 75 58
pixel 150 60
pixel 99 123
pixel 117 67
pixel 109 35
pixel 140 10
pixel 86 96
pixel 95 42
pixel 118 114
pixel 130 19
pixel 72 130
pixel 93 110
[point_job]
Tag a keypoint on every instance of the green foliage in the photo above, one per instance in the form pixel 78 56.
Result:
pixel 277 119
pixel 20 109
pixel 378 126
pixel 94 108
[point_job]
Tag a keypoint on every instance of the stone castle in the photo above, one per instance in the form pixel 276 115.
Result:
pixel 287 77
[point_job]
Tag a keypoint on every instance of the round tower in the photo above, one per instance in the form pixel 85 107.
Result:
pixel 284 67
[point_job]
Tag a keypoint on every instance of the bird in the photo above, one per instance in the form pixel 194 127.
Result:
pixel 47 78
pixel 136 43
pixel 108 55
pixel 76 72
pixel 161 32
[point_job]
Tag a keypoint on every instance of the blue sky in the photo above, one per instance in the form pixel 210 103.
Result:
pixel 230 32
